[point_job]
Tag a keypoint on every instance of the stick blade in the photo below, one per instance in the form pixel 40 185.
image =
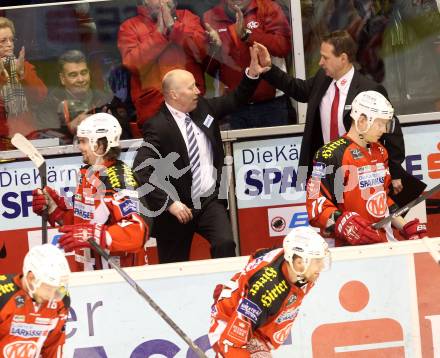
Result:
pixel 26 147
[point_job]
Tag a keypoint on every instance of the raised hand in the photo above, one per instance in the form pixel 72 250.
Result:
pixel 20 63
pixel 214 37
pixel 239 22
pixel 263 55
pixel 255 67
pixel 4 75
pixel 167 15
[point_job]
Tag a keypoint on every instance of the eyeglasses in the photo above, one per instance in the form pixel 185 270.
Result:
pixel 6 40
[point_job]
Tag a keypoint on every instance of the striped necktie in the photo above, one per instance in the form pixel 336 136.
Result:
pixel 194 158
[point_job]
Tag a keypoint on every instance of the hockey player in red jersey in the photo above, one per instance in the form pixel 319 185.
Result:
pixel 348 189
pixel 105 204
pixel 253 313
pixel 34 306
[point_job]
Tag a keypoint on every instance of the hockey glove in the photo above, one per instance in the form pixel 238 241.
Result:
pixel 48 199
pixel 414 230
pixel 76 236
pixel 356 230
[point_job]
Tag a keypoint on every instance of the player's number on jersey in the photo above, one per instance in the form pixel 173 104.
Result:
pixel 317 206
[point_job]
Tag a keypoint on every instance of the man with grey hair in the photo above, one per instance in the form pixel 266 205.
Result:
pixel 187 125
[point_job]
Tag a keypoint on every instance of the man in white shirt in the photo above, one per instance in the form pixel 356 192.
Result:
pixel 329 95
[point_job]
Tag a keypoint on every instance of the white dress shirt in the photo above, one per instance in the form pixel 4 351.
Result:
pixel 205 149
pixel 325 107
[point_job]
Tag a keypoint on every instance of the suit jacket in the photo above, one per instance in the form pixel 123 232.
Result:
pixel 162 133
pixel 312 91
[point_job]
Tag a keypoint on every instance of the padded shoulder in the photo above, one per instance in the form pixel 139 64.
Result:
pixel 119 176
pixel 7 289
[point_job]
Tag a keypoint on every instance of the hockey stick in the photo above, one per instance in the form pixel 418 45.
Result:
pixel 432 250
pixel 405 208
pixel 26 147
pixel 147 298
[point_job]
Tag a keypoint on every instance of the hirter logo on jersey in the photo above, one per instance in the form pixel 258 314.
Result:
pixel 377 204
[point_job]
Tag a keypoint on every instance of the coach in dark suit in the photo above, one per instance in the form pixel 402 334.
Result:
pixel 184 187
pixel 329 95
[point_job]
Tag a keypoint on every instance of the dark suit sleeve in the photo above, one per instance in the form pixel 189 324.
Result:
pixel 240 96
pixel 394 144
pixel 143 168
pixel 300 90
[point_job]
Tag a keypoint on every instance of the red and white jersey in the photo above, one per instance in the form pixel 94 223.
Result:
pixel 259 302
pixel 109 197
pixel 348 177
pixel 27 329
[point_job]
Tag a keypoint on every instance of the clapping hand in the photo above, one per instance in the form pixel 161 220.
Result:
pixel 165 18
pixel 214 37
pixel 4 75
pixel 239 21
pixel 260 60
pixel 19 63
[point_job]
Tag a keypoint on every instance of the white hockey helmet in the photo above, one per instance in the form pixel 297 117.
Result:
pixel 48 265
pixel 100 125
pixel 372 105
pixel 305 242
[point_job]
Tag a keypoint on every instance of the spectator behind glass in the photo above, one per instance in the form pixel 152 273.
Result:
pixel 234 25
pixel 157 40
pixel 67 106
pixel 20 88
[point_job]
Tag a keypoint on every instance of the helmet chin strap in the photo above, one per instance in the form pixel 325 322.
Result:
pixel 361 133
pixel 300 274
pixel 99 155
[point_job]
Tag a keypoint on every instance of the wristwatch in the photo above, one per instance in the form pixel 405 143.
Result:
pixel 246 34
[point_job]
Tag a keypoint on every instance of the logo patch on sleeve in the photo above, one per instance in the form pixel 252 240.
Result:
pixel 249 309
pixel 128 206
pixel 239 330
pixel 319 170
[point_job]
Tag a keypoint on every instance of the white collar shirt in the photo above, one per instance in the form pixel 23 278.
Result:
pixel 205 149
pixel 325 106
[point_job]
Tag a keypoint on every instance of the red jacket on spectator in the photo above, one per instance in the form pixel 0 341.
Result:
pixel 149 55
pixel 35 91
pixel 269 27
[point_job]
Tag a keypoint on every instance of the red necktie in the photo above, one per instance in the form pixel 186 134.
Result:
pixel 334 127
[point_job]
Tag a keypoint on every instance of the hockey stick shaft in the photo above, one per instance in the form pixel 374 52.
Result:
pixel 405 208
pixel 147 298
pixel 26 147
